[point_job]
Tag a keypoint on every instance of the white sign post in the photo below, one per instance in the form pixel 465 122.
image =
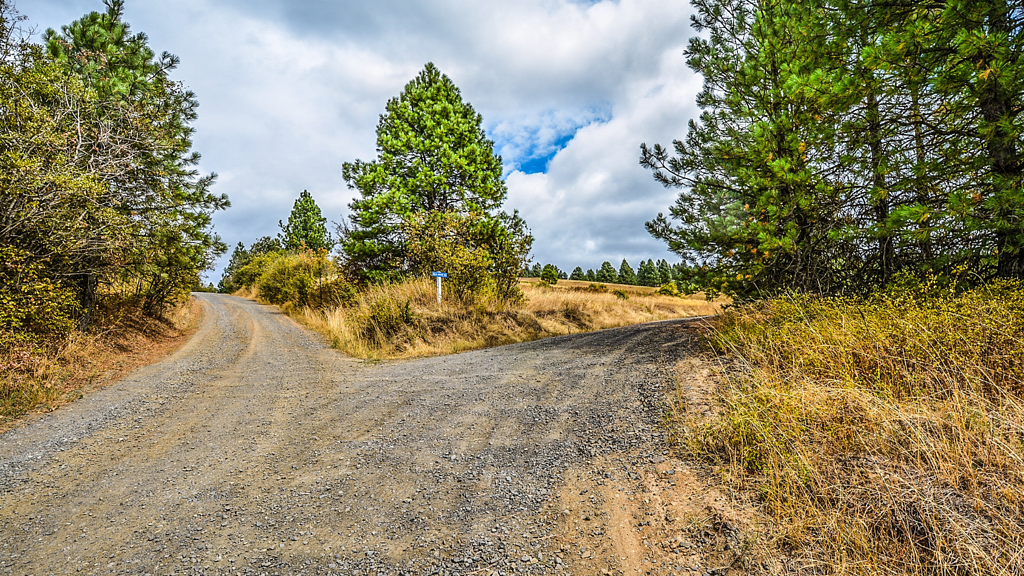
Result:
pixel 439 275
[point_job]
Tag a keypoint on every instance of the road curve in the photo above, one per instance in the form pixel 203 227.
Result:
pixel 256 449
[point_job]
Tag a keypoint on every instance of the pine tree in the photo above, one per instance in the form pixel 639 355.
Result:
pixel 536 271
pixel 549 274
pixel 432 156
pixel 647 274
pixel 591 276
pixel 306 227
pixel 626 273
pixel 149 212
pixel 664 272
pixel 577 274
pixel 607 274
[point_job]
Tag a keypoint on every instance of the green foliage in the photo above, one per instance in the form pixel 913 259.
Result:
pixel 621 294
pixel 241 257
pixel 841 143
pixel 577 274
pixel 607 273
pixel 306 227
pixel 536 270
pixel 304 279
pixel 626 274
pixel 34 309
pixel 97 177
pixel 481 254
pixel 664 272
pixel 648 275
pixel 668 289
pixel 432 156
pixel 549 274
pixel 591 277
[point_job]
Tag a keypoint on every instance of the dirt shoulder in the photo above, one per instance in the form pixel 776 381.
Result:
pixel 89 362
pixel 256 449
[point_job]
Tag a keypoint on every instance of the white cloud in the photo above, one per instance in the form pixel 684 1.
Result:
pixel 291 90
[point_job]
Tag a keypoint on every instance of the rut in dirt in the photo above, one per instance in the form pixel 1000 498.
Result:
pixel 256 449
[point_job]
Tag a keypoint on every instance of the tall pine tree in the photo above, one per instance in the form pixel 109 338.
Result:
pixel 306 227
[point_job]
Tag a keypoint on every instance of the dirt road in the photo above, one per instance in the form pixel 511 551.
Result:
pixel 256 449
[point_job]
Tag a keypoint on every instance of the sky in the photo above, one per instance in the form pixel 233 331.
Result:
pixel 289 90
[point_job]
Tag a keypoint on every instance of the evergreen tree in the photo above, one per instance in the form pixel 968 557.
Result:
pixel 432 156
pixel 577 274
pixel 591 276
pixel 536 271
pixel 648 274
pixel 664 272
pixel 607 274
pixel 549 274
pixel 146 219
pixel 841 143
pixel 306 227
pixel 626 273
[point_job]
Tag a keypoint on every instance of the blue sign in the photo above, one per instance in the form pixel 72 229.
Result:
pixel 439 274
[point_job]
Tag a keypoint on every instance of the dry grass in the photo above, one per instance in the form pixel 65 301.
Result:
pixel 41 380
pixel 405 320
pixel 880 437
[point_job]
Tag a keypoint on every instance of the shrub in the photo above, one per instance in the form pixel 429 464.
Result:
pixel 482 254
pixel 33 307
pixel 301 279
pixel 621 294
pixel 668 289
pixel 386 316
pixel 597 288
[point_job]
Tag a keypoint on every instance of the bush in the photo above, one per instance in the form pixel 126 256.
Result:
pixel 33 308
pixel 668 289
pixel 304 279
pixel 482 254
pixel 621 294
pixel 386 316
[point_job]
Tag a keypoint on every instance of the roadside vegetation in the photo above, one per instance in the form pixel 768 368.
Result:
pixel 879 436
pixel 404 320
pixel 105 223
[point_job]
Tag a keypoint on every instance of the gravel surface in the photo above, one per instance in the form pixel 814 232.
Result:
pixel 256 449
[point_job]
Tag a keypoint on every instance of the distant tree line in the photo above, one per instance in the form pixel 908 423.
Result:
pixel 844 142
pixel 649 273
pixel 99 194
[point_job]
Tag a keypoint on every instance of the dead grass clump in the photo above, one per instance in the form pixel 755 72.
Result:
pixel 34 379
pixel 884 436
pixel 405 320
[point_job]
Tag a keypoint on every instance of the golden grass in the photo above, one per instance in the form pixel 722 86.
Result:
pixel 123 339
pixel 405 320
pixel 880 437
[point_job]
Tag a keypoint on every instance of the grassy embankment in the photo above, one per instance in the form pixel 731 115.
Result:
pixel 877 437
pixel 405 320
pixel 42 378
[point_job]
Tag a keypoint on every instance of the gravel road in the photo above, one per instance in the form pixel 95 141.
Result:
pixel 256 449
